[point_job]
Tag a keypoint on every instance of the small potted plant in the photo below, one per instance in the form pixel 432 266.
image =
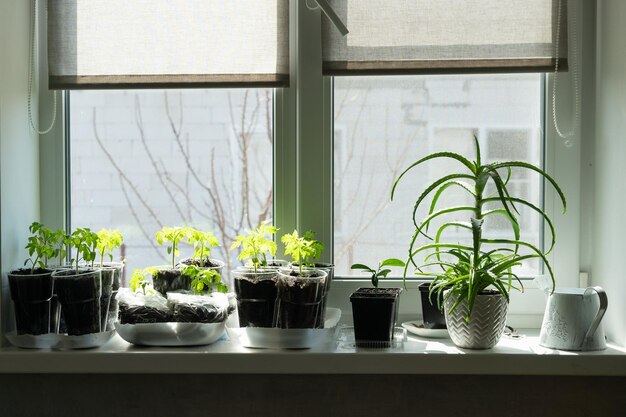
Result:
pixel 140 303
pixel 475 281
pixel 202 243
pixel 375 310
pixel 166 279
pixel 300 288
pixel 255 285
pixel 80 288
pixel 32 288
pixel 318 248
pixel 207 304
pixel 108 241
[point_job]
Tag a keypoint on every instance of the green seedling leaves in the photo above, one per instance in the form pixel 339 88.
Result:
pixel 379 272
pixel 108 241
pixel 204 280
pixel 256 245
pixel 303 250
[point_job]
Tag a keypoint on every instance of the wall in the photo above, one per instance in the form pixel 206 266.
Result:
pixel 610 169
pixel 19 155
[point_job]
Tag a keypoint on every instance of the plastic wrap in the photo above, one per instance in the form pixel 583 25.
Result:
pixel 139 308
pixel 188 308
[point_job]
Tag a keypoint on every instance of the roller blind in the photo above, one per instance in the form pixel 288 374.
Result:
pixel 167 43
pixel 444 36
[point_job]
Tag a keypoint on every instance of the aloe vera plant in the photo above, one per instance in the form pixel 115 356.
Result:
pixel 469 270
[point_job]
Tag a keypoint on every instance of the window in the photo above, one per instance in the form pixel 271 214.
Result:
pixel 383 124
pixel 145 159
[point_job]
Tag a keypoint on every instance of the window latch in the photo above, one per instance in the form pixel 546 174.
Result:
pixel 330 14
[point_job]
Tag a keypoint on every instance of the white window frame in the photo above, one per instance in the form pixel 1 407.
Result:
pixel 303 164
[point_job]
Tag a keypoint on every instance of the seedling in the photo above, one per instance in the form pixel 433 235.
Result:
pixel 61 242
pixel 379 272
pixel 40 245
pixel 204 280
pixel 108 241
pixel 202 243
pixel 173 235
pixel 256 245
pixel 138 281
pixel 302 250
pixel 85 242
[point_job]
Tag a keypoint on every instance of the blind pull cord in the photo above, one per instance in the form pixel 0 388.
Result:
pixel 330 14
pixel 32 62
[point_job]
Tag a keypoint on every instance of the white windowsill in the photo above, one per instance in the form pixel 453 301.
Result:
pixel 419 356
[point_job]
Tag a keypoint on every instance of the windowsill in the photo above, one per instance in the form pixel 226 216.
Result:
pixel 419 356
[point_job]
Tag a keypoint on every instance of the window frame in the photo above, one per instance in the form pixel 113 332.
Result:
pixel 303 144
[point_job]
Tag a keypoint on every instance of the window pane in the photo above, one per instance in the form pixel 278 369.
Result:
pixel 383 124
pixel 141 160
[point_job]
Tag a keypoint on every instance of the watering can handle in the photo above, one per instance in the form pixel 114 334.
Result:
pixel 604 302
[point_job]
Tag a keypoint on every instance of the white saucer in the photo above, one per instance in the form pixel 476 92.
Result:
pixel 417 328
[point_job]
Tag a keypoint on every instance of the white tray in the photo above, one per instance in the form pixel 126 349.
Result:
pixel 59 341
pixel 272 338
pixel 170 334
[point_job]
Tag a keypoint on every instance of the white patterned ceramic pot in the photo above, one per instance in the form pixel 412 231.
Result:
pixel 486 323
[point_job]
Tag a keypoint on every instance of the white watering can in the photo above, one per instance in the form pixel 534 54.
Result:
pixel 572 320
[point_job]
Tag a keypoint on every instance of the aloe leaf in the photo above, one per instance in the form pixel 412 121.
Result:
pixel 536 209
pixel 506 215
pixel 530 246
pixel 451 155
pixel 521 164
pixel 433 186
pixel 436 214
pixel 477 144
pixel 444 187
pixel 503 192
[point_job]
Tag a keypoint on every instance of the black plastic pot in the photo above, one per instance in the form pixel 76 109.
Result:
pixel 299 299
pixel 79 295
pixel 375 312
pixel 256 296
pixel 32 293
pixel 168 279
pixel 432 316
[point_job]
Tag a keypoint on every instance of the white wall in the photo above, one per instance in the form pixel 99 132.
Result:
pixel 19 154
pixel 610 165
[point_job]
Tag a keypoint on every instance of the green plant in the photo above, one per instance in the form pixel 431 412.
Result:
pixel 108 240
pixel 61 242
pixel 469 270
pixel 173 235
pixel 202 243
pixel 85 242
pixel 138 280
pixel 40 245
pixel 304 249
pixel 256 245
pixel 379 272
pixel 204 280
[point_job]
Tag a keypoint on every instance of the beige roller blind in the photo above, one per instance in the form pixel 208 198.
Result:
pixel 167 43
pixel 444 36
